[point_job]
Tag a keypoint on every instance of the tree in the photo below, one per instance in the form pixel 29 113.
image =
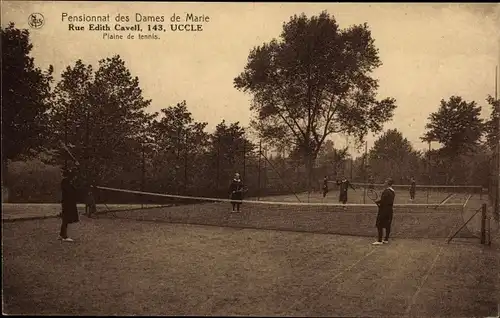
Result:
pixel 69 111
pixel 120 119
pixel 492 124
pixel 181 142
pixel 332 159
pixel 393 156
pixel 25 97
pixel 228 151
pixel 103 115
pixel 314 82
pixel 456 125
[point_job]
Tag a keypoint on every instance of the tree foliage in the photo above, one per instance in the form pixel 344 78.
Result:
pixel 491 126
pixel 25 96
pixel 103 115
pixel 229 150
pixel 180 144
pixel 456 125
pixel 313 82
pixel 333 159
pixel 69 110
pixel 393 156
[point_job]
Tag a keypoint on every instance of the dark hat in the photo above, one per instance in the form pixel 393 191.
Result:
pixel 68 172
pixel 65 172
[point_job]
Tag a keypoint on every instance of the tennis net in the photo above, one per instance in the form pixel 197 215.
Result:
pixel 427 188
pixel 410 220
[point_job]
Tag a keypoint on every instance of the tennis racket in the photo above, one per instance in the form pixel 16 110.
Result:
pixel 69 153
pixel 373 195
pixel 243 190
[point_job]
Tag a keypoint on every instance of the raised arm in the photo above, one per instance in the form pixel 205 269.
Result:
pixel 352 187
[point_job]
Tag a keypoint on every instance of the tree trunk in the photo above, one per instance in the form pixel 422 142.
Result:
pixel 5 181
pixel 309 173
pixel 310 159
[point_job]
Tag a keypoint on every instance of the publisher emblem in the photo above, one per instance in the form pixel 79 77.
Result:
pixel 36 20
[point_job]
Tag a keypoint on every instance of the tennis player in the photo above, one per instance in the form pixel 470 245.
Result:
pixel 413 188
pixel 344 187
pixel 236 192
pixel 371 183
pixel 90 207
pixel 385 213
pixel 69 200
pixel 325 186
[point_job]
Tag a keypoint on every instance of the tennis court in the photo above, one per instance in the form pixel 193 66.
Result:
pixel 129 267
pixel 414 220
pixel 191 256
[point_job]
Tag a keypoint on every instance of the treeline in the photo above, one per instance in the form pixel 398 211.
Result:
pixel 100 113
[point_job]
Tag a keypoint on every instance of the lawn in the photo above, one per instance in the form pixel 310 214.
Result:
pixel 129 267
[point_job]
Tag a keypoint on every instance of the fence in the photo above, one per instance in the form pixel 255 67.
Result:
pixel 206 173
pixel 494 184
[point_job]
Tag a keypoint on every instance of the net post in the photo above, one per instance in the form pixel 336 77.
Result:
pixel 143 172
pixel 218 165
pixel 258 173
pixel 483 223
pixel 488 224
pixel 365 171
pixel 244 160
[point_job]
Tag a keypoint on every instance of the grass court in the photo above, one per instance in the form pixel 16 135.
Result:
pixel 124 266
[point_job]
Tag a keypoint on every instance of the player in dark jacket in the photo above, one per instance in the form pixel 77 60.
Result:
pixel 90 206
pixel 371 183
pixel 325 186
pixel 69 200
pixel 236 192
pixel 344 185
pixel 385 212
pixel 413 188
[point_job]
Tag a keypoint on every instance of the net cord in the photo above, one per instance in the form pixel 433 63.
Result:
pixel 274 202
pixel 434 186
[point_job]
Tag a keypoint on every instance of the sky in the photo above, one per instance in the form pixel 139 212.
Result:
pixel 429 51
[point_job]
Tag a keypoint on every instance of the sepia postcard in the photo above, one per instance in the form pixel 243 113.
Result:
pixel 250 159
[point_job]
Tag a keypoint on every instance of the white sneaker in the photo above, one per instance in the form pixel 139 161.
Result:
pixel 67 240
pixel 60 238
pixel 377 243
pixel 385 242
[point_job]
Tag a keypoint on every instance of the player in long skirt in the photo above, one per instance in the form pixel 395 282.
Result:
pixel 69 200
pixel 371 183
pixel 344 186
pixel 385 213
pixel 325 186
pixel 90 206
pixel 236 192
pixel 413 188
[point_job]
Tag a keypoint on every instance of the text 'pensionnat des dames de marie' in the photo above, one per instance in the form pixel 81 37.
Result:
pixel 134 23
